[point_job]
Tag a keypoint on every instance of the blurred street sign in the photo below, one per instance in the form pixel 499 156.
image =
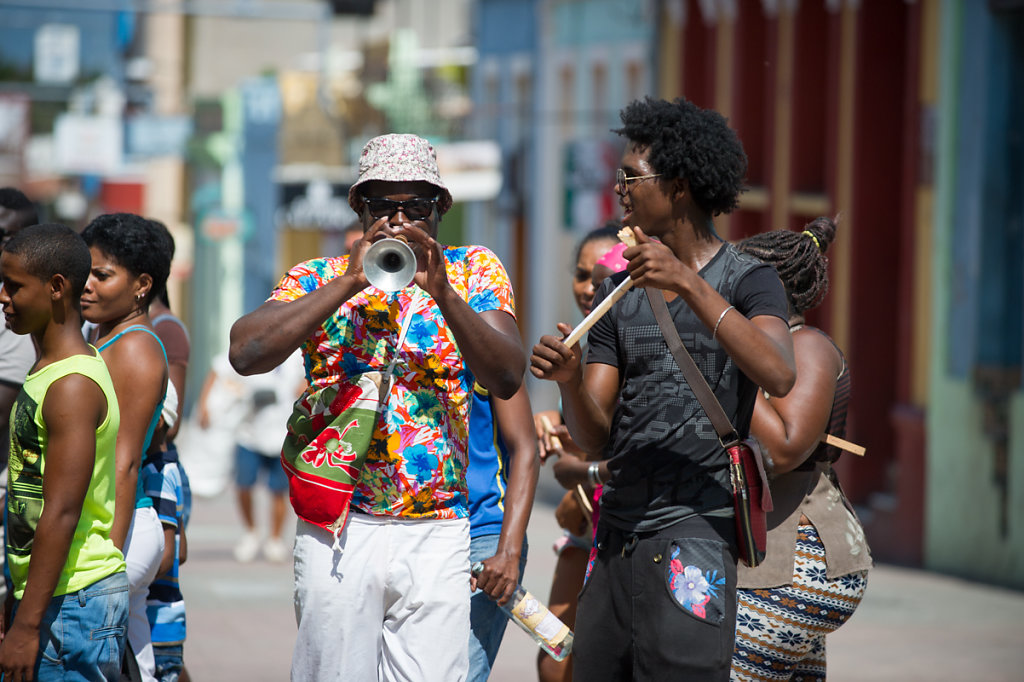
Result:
pixel 88 144
pixel 471 169
pixel 359 7
pixel 589 183
pixel 56 54
pixel 218 225
pixel 151 135
pixel 318 204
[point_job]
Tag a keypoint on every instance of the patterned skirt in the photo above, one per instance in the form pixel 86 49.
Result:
pixel 780 632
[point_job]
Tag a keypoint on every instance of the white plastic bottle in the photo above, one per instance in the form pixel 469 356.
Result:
pixel 550 633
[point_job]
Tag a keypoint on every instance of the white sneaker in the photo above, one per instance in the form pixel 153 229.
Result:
pixel 247 548
pixel 274 550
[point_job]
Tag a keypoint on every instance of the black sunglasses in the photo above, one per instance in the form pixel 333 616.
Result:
pixel 419 208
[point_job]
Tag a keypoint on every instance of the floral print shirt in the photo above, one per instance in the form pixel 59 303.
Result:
pixel 416 464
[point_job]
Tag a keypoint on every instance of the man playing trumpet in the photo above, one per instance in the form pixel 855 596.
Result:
pixel 660 598
pixel 384 591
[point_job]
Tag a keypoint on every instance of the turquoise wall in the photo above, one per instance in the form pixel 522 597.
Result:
pixel 964 533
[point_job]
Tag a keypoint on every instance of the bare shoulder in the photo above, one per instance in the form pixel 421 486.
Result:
pixel 811 345
pixel 137 354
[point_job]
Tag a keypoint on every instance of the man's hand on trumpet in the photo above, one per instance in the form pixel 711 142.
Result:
pixel 431 275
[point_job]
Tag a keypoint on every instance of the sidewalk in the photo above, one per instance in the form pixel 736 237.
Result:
pixel 912 625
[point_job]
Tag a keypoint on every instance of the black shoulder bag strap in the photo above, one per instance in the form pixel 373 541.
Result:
pixel 723 427
pixel 727 435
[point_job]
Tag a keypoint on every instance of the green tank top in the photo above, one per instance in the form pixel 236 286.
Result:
pixel 92 555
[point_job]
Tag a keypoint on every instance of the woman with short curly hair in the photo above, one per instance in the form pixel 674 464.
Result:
pixel 130 264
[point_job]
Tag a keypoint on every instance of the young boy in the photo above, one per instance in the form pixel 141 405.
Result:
pixel 163 480
pixel 70 610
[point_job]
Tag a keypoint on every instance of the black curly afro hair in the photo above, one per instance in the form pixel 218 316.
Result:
pixel 135 244
pixel 690 143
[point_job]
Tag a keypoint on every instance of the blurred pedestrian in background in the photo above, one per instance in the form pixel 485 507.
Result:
pixel 384 592
pixel 815 571
pixel 130 264
pixel 268 400
pixel 164 482
pixel 16 350
pixel 573 547
pixel 173 334
pixel 659 597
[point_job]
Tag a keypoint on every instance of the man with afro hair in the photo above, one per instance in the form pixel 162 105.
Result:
pixel 659 601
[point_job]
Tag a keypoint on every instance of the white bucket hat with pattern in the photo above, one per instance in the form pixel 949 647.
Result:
pixel 399 158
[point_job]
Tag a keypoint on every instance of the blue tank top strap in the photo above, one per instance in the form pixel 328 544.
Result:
pixel 141 499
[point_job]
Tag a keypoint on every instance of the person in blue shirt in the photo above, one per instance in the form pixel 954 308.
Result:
pixel 502 477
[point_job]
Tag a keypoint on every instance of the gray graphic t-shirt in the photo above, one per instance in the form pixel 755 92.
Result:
pixel 665 458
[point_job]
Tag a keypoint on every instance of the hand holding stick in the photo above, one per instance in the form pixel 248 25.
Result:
pixel 556 443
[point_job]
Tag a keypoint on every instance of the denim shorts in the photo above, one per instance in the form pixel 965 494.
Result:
pixel 168 662
pixel 247 468
pixel 82 634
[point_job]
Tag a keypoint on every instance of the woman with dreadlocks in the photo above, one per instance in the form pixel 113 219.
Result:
pixel 815 571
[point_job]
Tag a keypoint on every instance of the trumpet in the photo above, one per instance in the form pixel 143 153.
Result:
pixel 390 264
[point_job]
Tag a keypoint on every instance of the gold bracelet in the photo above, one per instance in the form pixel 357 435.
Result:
pixel 714 332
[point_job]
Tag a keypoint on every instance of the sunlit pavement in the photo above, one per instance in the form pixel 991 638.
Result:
pixel 912 625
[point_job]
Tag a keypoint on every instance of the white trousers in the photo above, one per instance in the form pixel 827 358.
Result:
pixel 143 549
pixel 393 605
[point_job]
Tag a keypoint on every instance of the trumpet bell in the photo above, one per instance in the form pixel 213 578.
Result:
pixel 389 264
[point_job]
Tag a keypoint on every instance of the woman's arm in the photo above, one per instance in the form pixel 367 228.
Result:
pixel 139 375
pixel 501 572
pixel 791 427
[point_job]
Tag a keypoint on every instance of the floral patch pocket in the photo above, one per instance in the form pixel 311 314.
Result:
pixel 695 577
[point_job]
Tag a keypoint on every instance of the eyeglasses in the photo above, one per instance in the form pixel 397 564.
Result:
pixel 624 181
pixel 419 208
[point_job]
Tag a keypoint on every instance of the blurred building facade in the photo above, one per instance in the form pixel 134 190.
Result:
pixel 550 81
pixel 238 124
pixel 896 116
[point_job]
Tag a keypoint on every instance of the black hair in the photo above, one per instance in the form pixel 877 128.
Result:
pixel 799 258
pixel 53 249
pixel 166 235
pixel 135 244
pixel 608 231
pixel 689 143
pixel 14 199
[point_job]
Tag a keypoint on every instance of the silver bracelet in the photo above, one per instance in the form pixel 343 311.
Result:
pixel 714 332
pixel 594 473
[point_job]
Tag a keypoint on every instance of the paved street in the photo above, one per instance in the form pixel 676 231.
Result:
pixel 912 625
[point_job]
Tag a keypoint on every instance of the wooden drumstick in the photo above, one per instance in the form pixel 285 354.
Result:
pixel 838 442
pixel 597 313
pixel 626 237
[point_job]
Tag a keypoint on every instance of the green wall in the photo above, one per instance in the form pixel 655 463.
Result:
pixel 963 513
